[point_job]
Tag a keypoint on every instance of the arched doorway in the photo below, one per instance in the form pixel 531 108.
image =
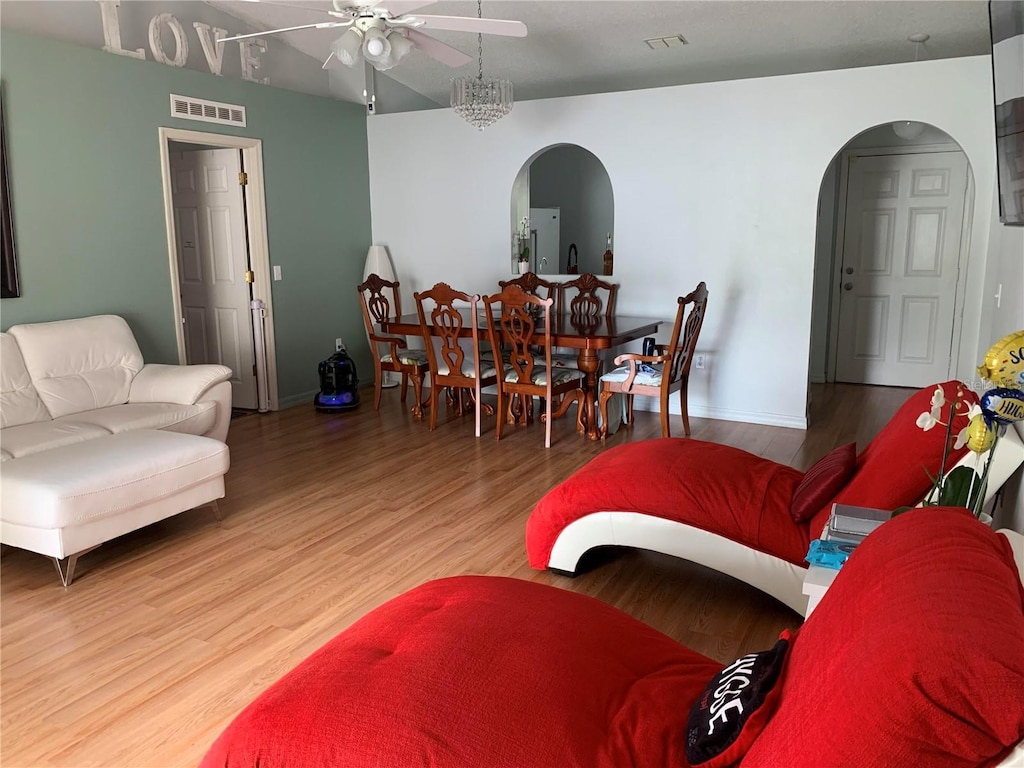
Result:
pixel 893 229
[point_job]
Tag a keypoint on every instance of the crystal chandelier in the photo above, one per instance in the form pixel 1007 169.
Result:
pixel 481 102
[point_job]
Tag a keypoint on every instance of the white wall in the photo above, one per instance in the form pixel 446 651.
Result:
pixel 715 181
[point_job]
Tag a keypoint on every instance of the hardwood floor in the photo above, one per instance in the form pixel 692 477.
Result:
pixel 167 633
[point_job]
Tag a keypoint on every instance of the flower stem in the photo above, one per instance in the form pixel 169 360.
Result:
pixel 980 501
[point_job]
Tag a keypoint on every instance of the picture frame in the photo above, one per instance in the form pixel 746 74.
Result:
pixel 10 287
pixel 1006 29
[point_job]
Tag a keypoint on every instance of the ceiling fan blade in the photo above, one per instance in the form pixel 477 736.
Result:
pixel 321 25
pixel 399 7
pixel 471 24
pixel 435 49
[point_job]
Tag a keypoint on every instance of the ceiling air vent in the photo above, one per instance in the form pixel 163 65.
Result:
pixel 188 108
pixel 672 41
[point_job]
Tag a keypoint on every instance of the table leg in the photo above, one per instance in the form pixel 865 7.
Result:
pixel 588 362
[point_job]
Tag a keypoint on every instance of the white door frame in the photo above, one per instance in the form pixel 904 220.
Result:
pixel 840 234
pixel 256 226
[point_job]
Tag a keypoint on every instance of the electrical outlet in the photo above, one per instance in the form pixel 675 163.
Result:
pixel 338 345
pixel 700 361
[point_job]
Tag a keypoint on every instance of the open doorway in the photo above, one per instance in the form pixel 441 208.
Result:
pixel 219 259
pixel 893 234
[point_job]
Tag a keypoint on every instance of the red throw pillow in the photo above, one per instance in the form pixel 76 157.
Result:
pixel 823 481
pixel 734 708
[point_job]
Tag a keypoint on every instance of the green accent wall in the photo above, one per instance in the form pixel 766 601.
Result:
pixel 87 196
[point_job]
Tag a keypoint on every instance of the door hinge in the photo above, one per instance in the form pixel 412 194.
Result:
pixel 250 276
pixel 243 178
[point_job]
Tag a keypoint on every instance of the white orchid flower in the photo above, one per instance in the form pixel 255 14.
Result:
pixel 961 438
pixel 928 419
pixel 938 399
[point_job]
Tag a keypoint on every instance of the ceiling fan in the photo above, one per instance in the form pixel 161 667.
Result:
pixel 382 32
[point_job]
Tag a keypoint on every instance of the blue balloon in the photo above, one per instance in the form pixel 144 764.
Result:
pixel 1003 405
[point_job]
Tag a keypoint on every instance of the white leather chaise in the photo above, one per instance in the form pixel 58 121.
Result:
pixel 95 443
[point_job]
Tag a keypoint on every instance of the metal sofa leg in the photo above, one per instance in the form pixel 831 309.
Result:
pixel 66 566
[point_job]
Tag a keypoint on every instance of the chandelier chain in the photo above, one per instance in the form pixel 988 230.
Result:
pixel 480 43
pixel 481 102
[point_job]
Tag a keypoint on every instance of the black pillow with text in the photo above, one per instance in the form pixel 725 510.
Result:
pixel 734 707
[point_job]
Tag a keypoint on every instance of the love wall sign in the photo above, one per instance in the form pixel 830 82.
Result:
pixel 248 50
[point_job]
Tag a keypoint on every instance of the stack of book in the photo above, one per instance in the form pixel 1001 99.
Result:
pixel 849 523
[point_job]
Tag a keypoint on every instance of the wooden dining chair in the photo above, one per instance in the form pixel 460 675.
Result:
pixel 382 300
pixel 660 374
pixel 537 286
pixel 588 296
pixel 519 321
pixel 534 285
pixel 441 319
pixel 586 299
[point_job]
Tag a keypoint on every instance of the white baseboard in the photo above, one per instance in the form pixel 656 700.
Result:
pixel 726 414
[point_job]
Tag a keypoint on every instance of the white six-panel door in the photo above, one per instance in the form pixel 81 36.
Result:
pixel 901 249
pixel 209 221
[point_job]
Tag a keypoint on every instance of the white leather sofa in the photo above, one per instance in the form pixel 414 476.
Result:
pixel 94 443
pixel 74 380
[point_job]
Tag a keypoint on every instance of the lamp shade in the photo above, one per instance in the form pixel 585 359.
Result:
pixel 378 263
pixel 348 47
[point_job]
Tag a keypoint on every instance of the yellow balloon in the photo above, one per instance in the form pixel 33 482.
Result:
pixel 1004 362
pixel 979 436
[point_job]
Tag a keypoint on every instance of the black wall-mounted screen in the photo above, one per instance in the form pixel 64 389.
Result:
pixel 1006 22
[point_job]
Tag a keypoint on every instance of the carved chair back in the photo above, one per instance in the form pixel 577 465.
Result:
pixel 588 296
pixel 686 330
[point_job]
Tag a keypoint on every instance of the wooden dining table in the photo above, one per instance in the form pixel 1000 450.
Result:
pixel 588 335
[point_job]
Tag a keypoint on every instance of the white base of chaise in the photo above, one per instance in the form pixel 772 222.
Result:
pixel 67 500
pixel 777 577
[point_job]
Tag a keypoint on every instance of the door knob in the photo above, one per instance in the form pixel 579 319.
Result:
pixel 847 286
pixel 849 270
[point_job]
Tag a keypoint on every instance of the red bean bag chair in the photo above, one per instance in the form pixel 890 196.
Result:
pixel 730 510
pixel 914 657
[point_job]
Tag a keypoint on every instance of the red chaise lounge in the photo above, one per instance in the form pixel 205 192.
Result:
pixel 730 510
pixel 915 657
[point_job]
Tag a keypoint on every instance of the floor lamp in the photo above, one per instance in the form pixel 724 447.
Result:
pixel 378 263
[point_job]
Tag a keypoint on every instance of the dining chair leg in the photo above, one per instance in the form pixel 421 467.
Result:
pixel 629 409
pixel 665 432
pixel 683 409
pixel 547 423
pixel 502 415
pixel 476 397
pixel 376 392
pixel 417 393
pixel 405 385
pixel 433 404
pixel 602 404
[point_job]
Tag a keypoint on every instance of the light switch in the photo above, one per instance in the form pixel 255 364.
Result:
pixel 277 272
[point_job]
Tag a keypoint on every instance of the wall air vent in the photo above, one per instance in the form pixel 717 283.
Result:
pixel 188 108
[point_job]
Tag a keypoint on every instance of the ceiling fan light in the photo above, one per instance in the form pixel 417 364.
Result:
pixel 400 46
pixel 348 47
pixel 376 47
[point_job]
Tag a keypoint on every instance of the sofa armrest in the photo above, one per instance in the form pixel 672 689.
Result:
pixel 183 384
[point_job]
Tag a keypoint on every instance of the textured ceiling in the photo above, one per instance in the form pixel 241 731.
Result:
pixel 591 46
pixel 573 46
